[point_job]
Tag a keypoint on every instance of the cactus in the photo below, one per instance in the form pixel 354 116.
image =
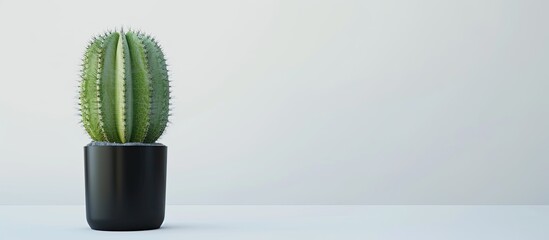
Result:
pixel 124 92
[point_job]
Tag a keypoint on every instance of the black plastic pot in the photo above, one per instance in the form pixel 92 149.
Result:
pixel 125 186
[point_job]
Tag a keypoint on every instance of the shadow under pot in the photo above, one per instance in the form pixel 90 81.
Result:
pixel 125 186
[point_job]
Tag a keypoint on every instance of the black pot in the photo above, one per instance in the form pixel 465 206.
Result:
pixel 125 186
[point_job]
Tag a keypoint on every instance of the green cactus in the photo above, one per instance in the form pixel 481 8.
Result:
pixel 124 92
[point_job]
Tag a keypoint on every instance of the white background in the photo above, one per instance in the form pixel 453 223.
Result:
pixel 297 102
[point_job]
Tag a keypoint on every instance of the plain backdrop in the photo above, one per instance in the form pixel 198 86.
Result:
pixel 297 102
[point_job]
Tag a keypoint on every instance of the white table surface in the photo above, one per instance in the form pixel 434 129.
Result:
pixel 292 222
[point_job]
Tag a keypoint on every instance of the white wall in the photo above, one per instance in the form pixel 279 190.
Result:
pixel 303 102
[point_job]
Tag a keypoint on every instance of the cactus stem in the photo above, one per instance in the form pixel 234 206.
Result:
pixel 125 88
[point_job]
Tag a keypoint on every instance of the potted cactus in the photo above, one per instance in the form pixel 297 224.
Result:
pixel 124 103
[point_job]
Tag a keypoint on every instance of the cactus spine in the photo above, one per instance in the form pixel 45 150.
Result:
pixel 124 92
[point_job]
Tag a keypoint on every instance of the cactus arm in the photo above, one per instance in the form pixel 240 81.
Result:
pixel 107 83
pixel 123 82
pixel 89 104
pixel 141 87
pixel 160 87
